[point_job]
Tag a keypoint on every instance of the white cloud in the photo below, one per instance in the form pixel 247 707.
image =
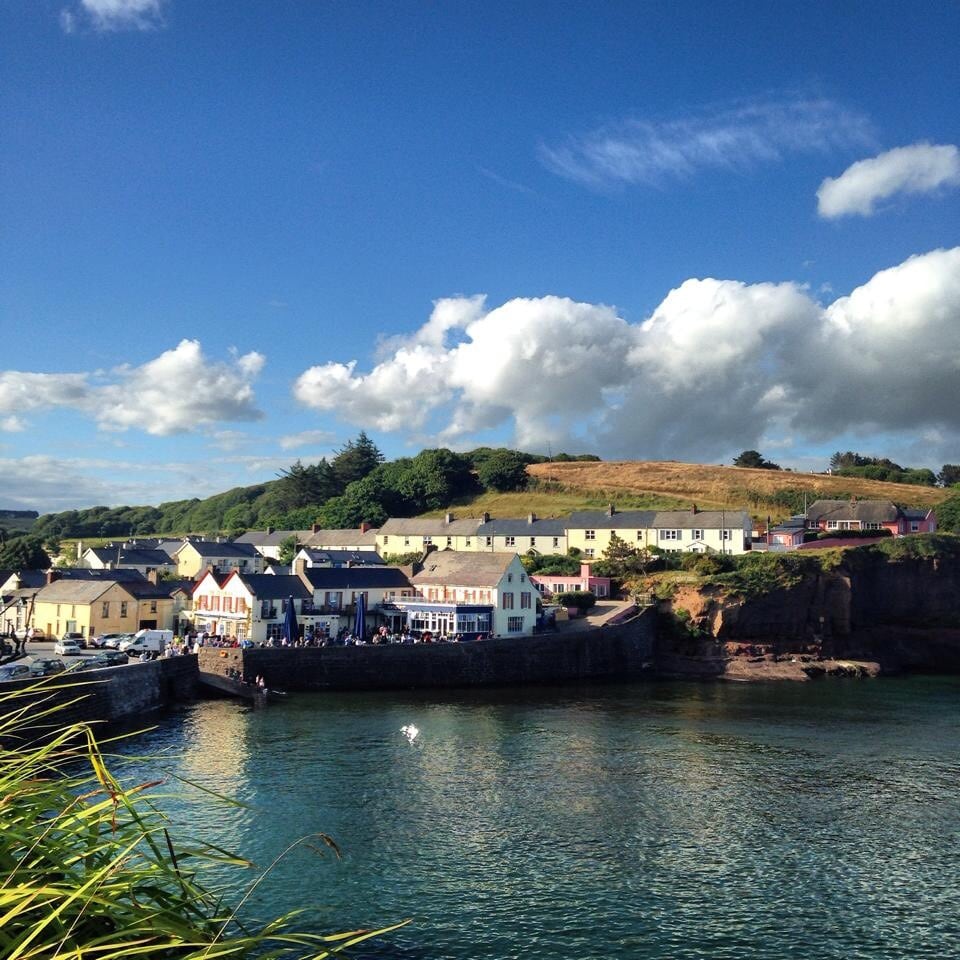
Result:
pixel 105 15
pixel 307 438
pixel 178 392
pixel 717 366
pixel 921 168
pixel 731 136
pixel 12 425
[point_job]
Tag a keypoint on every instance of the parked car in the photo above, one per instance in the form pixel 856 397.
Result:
pixel 66 648
pixel 103 640
pixel 14 671
pixel 114 658
pixel 112 641
pixel 77 638
pixel 46 666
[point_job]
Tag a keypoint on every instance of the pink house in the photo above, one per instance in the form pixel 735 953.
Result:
pixel 550 583
pixel 839 515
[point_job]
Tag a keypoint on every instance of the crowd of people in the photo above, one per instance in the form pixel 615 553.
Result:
pixel 344 638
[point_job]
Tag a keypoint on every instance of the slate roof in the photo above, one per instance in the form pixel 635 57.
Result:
pixel 453 569
pixel 273 538
pixel 429 527
pixel 522 527
pixel 76 591
pixel 31 579
pixel 601 520
pixel 120 575
pixel 368 558
pixel 866 511
pixel 915 513
pixel 133 556
pixel 266 586
pixel 702 519
pixel 210 548
pixel 356 578
pixel 351 536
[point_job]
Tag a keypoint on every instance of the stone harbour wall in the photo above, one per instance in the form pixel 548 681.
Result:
pixel 617 652
pixel 100 696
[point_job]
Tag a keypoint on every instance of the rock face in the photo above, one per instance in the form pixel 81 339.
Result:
pixel 904 614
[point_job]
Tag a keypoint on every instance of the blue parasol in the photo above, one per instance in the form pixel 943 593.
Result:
pixel 360 628
pixel 291 630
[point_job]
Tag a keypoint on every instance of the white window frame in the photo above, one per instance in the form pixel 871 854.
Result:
pixel 589 534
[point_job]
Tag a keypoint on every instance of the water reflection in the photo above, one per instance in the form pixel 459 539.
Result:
pixel 673 821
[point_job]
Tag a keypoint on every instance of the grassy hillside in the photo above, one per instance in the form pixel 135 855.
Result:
pixel 775 491
pixel 546 502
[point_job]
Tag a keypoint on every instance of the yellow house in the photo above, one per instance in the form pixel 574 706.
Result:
pixel 195 556
pixel 415 534
pixel 92 607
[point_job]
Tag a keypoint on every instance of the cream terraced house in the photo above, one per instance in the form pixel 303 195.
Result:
pixel 196 556
pixel 523 536
pixel 417 534
pixel 695 531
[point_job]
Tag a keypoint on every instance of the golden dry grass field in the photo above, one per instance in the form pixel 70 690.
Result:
pixel 717 486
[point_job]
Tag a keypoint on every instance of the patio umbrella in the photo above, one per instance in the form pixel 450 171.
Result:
pixel 290 628
pixel 360 628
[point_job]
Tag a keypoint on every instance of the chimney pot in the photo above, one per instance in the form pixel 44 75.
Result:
pixel 315 528
pixel 694 509
pixel 485 517
pixel 364 526
pixel 611 509
pixel 531 517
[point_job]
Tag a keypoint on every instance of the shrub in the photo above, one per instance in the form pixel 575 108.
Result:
pixel 580 599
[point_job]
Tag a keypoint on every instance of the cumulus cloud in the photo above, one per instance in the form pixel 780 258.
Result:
pixel 921 168
pixel 730 136
pixel 718 365
pixel 178 392
pixel 105 15
pixel 12 425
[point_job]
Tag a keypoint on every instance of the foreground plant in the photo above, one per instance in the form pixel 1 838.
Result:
pixel 89 870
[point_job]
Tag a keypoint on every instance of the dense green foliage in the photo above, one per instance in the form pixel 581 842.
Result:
pixel 852 464
pixel 578 599
pixel 948 515
pixel 89 869
pixel 24 553
pixel 949 475
pixel 753 458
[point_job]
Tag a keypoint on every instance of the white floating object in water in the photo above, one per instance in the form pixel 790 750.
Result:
pixel 410 731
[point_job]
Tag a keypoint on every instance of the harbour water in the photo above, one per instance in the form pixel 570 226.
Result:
pixel 764 821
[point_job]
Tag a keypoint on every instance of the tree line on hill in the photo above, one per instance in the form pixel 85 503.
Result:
pixel 357 484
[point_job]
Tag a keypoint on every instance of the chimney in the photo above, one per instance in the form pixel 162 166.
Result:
pixel 299 566
pixel 79 549
pixel 315 528
pixel 611 509
pixel 427 550
pixel 52 575
pixel 153 576
pixel 485 517
pixel 365 526
pixel 269 530
pixel 531 517
pixel 448 518
pixel 694 510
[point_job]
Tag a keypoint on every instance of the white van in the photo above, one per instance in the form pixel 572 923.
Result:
pixel 153 641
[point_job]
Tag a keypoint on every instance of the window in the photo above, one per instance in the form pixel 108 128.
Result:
pixel 509 578
pixel 514 624
pixel 556 542
pixel 466 543
pixel 697 534
pixel 589 534
pixel 914 526
pixel 153 606
pixel 406 541
pixel 510 541
pixel 588 552
pixel 449 541
pixel 489 541
pixel 832 524
pixel 533 542
pixel 386 540
pixel 669 534
pixel 523 578
pixel 506 601
pixel 428 541
pixel 524 601
pixel 123 608
pixel 639 534
pixel 871 526
pixel 727 534
pixel 105 609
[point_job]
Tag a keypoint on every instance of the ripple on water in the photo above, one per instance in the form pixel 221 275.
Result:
pixel 675 821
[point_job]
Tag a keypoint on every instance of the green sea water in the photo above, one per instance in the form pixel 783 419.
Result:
pixel 665 820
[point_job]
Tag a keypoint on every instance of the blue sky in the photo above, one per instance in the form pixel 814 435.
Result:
pixel 232 235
